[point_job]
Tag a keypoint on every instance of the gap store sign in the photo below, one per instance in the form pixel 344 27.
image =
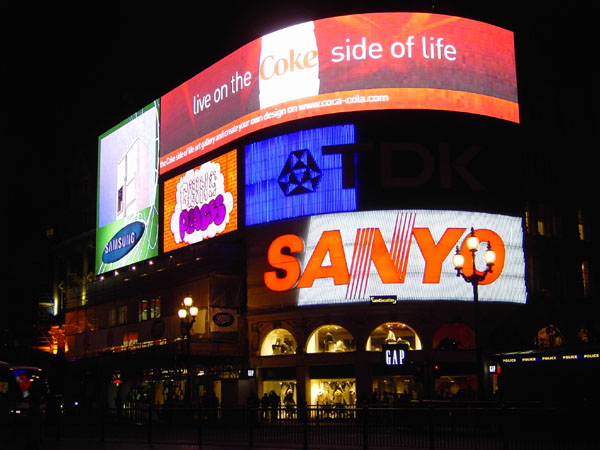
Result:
pixel 351 257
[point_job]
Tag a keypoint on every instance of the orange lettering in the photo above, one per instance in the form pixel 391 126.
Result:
pixel 330 242
pixel 435 254
pixel 262 68
pixel 296 61
pixel 497 245
pixel 287 263
pixel 383 261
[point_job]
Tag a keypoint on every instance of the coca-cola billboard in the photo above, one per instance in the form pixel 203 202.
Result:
pixel 341 64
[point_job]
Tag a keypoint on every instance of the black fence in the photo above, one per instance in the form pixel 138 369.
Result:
pixel 416 426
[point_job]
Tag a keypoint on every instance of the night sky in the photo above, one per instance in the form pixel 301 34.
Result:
pixel 69 75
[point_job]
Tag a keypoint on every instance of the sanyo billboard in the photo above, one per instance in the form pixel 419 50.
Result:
pixel 351 257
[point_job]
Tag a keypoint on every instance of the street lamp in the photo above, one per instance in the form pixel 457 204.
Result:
pixel 187 315
pixel 472 244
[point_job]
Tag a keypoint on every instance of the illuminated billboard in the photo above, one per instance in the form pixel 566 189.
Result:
pixel 292 175
pixel 404 255
pixel 127 207
pixel 351 63
pixel 201 203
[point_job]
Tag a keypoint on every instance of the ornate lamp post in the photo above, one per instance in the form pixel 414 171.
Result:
pixel 187 315
pixel 472 244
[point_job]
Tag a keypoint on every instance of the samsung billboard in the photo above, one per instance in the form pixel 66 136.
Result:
pixel 127 206
pixel 377 61
pixel 404 255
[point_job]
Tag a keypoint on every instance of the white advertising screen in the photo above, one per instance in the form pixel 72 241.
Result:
pixel 401 254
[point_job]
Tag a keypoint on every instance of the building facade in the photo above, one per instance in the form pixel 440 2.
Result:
pixel 313 219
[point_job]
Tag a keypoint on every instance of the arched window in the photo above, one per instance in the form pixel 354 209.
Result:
pixel 278 342
pixel 393 333
pixel 330 339
pixel 454 336
pixel 549 336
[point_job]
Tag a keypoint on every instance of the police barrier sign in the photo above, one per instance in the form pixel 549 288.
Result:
pixel 351 257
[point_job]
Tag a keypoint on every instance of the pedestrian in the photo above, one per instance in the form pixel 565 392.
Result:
pixel 264 407
pixel 274 403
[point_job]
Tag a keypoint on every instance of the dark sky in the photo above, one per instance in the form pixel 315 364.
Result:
pixel 69 75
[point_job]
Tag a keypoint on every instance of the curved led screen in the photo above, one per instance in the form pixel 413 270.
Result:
pixel 351 63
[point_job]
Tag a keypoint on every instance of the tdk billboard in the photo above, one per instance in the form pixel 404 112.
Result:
pixel 292 175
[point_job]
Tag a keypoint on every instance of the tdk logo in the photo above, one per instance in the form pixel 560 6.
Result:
pixel 300 175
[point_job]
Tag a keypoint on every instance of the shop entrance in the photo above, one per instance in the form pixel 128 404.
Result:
pixel 392 390
pixel 455 387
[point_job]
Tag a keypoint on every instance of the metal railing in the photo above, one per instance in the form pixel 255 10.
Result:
pixel 415 426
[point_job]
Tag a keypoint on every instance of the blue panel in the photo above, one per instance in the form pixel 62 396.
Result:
pixel 288 176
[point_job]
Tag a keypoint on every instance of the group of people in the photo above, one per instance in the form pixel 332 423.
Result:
pixel 270 405
pixel 395 399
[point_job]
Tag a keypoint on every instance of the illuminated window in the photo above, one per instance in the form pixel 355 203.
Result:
pixel 143 311
pixel 580 225
pixel 285 391
pixel 585 278
pixel 540 227
pixel 155 308
pixel 393 333
pixel 549 336
pixel 330 339
pixel 338 392
pixel 454 336
pixel 122 315
pixel 540 221
pixel 149 309
pixel 278 342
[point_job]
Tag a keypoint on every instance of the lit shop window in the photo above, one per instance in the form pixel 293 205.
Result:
pixel 278 342
pixel 454 336
pixel 336 393
pixel 281 393
pixel 330 339
pixel 393 333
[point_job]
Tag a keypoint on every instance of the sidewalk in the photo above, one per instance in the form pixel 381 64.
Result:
pixel 78 444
